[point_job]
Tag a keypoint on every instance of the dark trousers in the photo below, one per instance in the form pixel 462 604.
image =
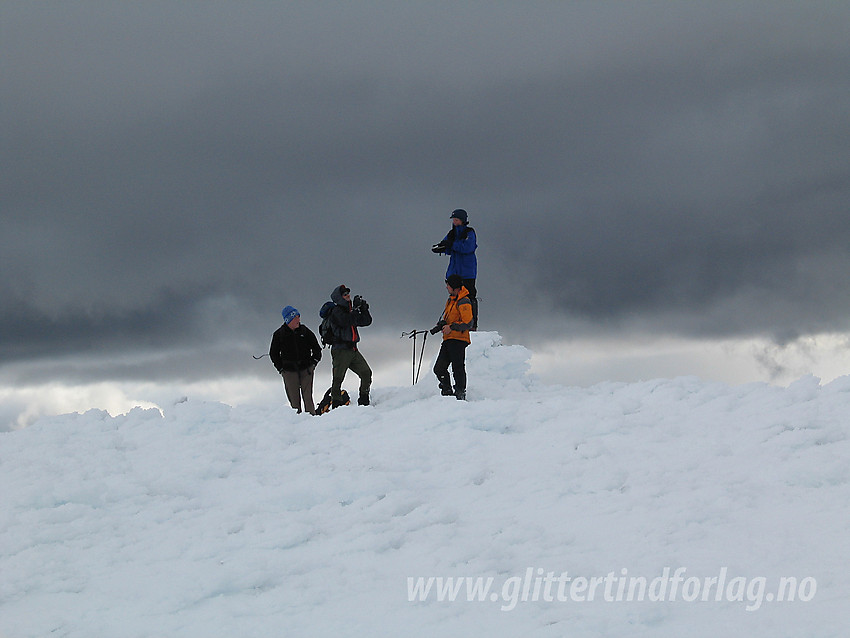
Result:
pixel 452 352
pixel 297 385
pixel 469 284
pixel 344 360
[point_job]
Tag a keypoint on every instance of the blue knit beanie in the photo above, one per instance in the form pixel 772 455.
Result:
pixel 289 313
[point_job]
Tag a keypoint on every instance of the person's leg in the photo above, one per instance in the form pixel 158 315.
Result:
pixel 441 370
pixel 469 284
pixel 341 361
pixel 307 389
pixel 293 389
pixel 457 353
pixel 361 368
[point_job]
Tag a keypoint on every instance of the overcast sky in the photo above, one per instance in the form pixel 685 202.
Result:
pixel 173 174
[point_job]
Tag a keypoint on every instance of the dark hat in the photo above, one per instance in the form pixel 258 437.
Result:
pixel 344 290
pixel 454 281
pixel 460 214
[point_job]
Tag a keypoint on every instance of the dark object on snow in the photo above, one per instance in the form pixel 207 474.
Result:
pixel 327 403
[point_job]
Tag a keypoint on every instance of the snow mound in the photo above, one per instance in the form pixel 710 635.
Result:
pixel 494 370
pixel 207 520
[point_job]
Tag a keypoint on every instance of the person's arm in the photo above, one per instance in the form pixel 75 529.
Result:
pixel 445 245
pixel 274 352
pixel 464 308
pixel 465 246
pixel 363 316
pixel 315 348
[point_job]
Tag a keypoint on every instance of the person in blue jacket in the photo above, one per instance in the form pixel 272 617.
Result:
pixel 460 244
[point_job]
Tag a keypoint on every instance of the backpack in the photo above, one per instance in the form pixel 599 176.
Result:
pixel 326 331
pixel 326 404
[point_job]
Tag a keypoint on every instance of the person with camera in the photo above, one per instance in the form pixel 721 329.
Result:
pixel 460 245
pixel 455 325
pixel 295 353
pixel 345 318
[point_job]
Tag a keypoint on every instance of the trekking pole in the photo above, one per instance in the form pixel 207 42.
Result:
pixel 260 357
pixel 412 335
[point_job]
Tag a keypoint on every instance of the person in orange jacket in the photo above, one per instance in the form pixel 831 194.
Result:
pixel 455 325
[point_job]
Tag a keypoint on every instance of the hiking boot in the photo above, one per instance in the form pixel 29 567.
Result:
pixel 460 395
pixel 363 399
pixel 445 386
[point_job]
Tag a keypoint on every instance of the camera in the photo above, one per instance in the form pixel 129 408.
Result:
pixel 438 327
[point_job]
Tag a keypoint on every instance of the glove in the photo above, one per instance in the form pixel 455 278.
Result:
pixel 438 248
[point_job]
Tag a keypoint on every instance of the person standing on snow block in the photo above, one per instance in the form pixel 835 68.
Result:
pixel 345 317
pixel 460 244
pixel 295 353
pixel 455 325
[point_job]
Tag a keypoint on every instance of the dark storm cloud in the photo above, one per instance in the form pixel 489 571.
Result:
pixel 175 173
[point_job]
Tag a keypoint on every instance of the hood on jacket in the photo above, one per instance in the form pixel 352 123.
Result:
pixel 336 296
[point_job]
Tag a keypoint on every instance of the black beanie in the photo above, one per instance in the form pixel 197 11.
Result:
pixel 454 281
pixel 460 214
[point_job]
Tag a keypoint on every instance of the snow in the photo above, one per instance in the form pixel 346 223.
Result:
pixel 210 520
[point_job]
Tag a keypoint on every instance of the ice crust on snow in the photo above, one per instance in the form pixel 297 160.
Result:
pixel 208 520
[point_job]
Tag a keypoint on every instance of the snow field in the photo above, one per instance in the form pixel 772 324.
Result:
pixel 210 520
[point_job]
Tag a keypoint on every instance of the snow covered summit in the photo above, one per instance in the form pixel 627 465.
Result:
pixel 665 508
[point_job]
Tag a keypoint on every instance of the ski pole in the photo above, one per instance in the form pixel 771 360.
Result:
pixel 421 355
pixel 412 335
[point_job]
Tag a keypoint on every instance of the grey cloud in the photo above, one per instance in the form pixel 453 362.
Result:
pixel 177 173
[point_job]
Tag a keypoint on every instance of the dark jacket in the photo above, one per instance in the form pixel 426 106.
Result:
pixel 294 350
pixel 460 245
pixel 345 320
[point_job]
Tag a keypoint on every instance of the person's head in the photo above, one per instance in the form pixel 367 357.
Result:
pixel 341 295
pixel 459 217
pixel 453 284
pixel 291 317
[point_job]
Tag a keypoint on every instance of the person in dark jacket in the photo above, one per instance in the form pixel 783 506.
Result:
pixel 460 244
pixel 295 353
pixel 345 318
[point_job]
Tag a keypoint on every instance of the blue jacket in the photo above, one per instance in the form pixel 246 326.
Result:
pixel 460 247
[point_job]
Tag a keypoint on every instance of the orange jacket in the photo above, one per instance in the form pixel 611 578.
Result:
pixel 458 315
